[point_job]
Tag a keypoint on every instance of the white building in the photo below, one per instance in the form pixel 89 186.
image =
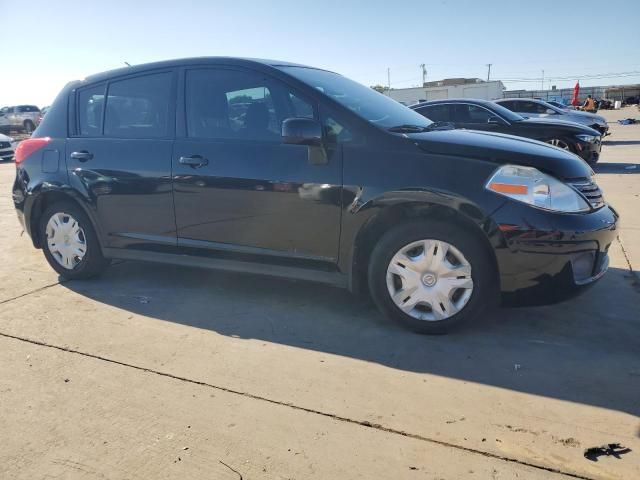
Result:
pixel 449 88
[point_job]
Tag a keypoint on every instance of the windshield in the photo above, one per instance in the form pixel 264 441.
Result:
pixel 364 101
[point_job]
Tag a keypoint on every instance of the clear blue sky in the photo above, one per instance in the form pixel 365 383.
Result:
pixel 47 43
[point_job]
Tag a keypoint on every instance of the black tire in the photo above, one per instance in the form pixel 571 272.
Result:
pixel 484 293
pixel 29 127
pixel 93 262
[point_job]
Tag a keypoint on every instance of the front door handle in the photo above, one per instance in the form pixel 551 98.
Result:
pixel 194 161
pixel 82 156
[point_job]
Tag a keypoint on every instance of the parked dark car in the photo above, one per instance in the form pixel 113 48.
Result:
pixel 320 178
pixel 532 108
pixel 491 117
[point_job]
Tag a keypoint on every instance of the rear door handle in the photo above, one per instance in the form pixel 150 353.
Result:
pixel 195 161
pixel 82 156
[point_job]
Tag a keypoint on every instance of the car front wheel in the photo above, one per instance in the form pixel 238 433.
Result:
pixel 431 276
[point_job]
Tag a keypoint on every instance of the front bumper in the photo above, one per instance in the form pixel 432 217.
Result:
pixel 589 151
pixel 548 257
pixel 603 129
pixel 6 154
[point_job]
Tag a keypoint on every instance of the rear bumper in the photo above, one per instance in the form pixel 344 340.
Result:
pixel 556 256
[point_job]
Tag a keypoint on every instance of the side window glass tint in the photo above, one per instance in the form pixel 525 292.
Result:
pixel 526 107
pixel 436 113
pixel 90 104
pixel 336 132
pixel 224 103
pixel 139 107
pixel 299 107
pixel 251 112
pixel 540 108
pixel 478 114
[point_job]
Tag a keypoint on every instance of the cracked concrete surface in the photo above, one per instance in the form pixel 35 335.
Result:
pixel 311 369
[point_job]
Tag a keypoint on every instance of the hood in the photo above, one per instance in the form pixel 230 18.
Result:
pixel 503 149
pixel 565 124
pixel 592 116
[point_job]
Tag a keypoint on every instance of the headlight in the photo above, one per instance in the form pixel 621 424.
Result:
pixel 587 138
pixel 531 186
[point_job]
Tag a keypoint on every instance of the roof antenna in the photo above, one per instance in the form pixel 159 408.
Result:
pixel 127 64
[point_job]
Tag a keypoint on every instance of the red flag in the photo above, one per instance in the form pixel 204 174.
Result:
pixel 576 92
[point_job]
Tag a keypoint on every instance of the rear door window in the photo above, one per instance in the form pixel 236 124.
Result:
pixel 139 107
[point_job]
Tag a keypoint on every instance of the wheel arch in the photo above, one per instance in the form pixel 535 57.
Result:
pixel 46 198
pixel 391 213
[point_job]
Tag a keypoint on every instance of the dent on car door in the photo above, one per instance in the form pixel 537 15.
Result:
pixel 237 187
pixel 124 166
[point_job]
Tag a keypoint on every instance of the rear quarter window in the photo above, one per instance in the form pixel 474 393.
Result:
pixel 90 105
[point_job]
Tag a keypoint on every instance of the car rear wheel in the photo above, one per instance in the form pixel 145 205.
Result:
pixel 431 276
pixel 70 243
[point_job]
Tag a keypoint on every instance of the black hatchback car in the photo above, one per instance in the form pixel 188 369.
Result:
pixel 291 171
pixel 491 117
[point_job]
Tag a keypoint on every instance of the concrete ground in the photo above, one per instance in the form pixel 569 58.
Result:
pixel 154 372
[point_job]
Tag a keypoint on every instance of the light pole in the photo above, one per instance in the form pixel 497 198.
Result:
pixel 388 81
pixel 489 71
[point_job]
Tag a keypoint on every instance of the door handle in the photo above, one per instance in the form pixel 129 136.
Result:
pixel 82 156
pixel 194 161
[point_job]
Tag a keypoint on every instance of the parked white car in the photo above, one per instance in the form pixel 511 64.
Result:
pixel 7 147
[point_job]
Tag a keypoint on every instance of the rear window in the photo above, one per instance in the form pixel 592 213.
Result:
pixel 139 107
pixel 28 109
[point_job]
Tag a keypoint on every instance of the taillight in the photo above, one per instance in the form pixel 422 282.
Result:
pixel 28 147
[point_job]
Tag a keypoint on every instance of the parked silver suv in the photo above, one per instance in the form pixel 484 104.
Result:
pixel 20 118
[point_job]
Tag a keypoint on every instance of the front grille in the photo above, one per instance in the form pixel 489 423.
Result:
pixel 591 191
pixel 4 145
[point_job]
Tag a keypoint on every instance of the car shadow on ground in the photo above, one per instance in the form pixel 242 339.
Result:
pixel 614 143
pixel 584 350
pixel 617 168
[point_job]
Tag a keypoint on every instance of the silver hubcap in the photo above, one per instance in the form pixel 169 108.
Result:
pixel 66 240
pixel 559 143
pixel 429 280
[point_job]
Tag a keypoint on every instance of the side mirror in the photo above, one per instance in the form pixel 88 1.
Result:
pixel 302 131
pixel 494 121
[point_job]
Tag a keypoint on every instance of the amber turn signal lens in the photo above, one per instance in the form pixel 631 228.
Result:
pixel 508 188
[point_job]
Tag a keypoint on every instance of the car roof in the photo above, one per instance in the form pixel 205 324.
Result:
pixel 477 101
pixel 521 99
pixel 240 61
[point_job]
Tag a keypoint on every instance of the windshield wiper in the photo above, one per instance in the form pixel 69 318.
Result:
pixel 408 128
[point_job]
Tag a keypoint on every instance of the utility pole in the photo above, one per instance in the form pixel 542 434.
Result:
pixel 489 71
pixel 542 79
pixel 424 73
pixel 388 80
